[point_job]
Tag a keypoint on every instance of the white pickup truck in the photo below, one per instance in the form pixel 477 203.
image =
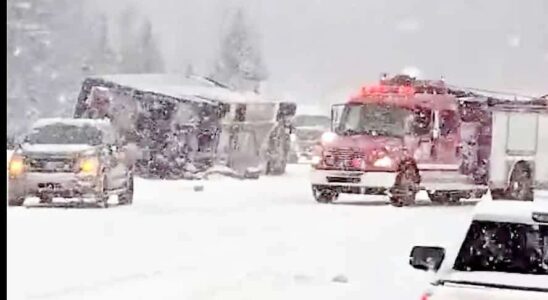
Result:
pixel 504 255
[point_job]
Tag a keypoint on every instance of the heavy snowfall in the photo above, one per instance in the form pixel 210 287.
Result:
pixel 230 125
pixel 235 239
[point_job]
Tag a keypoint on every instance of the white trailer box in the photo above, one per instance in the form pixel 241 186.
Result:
pixel 519 153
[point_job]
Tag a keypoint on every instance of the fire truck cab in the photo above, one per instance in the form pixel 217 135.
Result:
pixel 395 139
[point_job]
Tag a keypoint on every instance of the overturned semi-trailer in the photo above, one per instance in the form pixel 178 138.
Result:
pixel 185 126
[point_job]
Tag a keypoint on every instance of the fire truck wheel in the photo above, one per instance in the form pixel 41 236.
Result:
pixel 405 188
pixel 443 197
pixel 520 186
pixel 324 195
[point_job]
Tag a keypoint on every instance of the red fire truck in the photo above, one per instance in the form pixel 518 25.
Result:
pixel 395 138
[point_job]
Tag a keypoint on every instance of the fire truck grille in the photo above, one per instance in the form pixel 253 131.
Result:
pixel 342 158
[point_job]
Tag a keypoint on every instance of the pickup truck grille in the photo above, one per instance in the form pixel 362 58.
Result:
pixel 50 164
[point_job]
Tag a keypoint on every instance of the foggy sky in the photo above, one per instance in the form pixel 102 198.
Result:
pixel 319 51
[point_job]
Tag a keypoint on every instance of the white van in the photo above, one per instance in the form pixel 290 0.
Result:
pixel 504 255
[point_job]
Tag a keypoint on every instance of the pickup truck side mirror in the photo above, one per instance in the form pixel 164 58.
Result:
pixel 131 153
pixel 426 258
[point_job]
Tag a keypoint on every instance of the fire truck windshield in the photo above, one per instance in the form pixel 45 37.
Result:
pixel 374 119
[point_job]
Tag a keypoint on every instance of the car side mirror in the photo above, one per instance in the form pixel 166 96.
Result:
pixel 426 258
pixel 131 153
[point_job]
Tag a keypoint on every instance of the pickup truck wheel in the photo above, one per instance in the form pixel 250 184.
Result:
pixel 16 201
pixel 102 195
pixel 324 195
pixel 405 187
pixel 439 197
pixel 127 196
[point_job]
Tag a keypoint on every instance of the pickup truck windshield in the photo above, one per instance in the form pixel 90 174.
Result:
pixel 504 247
pixel 65 134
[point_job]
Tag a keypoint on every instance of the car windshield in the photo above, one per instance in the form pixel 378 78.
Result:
pixel 65 134
pixel 504 247
pixel 374 119
pixel 309 121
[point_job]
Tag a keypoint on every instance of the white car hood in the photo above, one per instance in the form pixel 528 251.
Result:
pixel 55 148
pixel 499 278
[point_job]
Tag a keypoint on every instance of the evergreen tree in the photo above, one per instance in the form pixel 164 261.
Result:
pixel 240 63
pixel 150 57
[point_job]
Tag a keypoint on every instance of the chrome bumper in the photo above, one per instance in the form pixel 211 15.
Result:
pixel 354 182
pixel 56 184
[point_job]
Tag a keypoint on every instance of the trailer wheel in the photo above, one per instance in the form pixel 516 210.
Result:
pixel 405 187
pixel 278 152
pixel 324 195
pixel 520 186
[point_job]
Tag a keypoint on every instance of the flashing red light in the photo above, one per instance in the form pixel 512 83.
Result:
pixel 385 89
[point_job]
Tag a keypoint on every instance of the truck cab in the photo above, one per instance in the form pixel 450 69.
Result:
pixel 394 139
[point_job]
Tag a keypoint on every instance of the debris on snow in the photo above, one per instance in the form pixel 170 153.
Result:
pixel 340 278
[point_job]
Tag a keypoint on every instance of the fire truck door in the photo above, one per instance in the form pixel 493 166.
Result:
pixel 422 128
pixel 446 137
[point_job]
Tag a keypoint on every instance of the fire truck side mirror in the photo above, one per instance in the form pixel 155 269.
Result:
pixel 436 133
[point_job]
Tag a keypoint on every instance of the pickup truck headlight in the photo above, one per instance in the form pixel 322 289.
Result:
pixel 89 165
pixel 17 165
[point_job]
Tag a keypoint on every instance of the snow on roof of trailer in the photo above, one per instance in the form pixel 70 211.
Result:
pixel 71 122
pixel 314 110
pixel 178 85
pixel 510 211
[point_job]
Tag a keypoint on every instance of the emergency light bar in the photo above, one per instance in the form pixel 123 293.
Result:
pixel 387 89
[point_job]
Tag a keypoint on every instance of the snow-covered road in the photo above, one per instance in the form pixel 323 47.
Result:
pixel 264 239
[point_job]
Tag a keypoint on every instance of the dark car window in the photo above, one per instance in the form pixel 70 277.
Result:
pixel 504 247
pixel 422 121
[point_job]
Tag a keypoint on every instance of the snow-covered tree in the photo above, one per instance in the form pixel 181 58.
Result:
pixel 240 63
pixel 102 59
pixel 139 51
pixel 150 56
pixel 52 46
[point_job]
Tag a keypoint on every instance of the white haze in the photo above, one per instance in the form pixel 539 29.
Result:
pixel 319 50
